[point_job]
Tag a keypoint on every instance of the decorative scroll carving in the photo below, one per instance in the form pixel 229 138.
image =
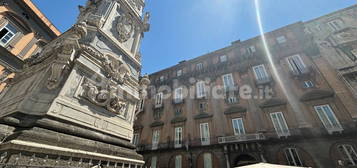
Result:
pixel 65 54
pixel 125 27
pixel 106 97
pixel 116 69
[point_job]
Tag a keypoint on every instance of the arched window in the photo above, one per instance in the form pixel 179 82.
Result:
pixel 292 156
pixel 348 153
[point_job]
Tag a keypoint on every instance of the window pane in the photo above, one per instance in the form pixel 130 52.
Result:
pixel 323 117
pixel 331 116
pixel 3 33
pixel 153 162
pixel 11 28
pixel 207 160
pixel 178 161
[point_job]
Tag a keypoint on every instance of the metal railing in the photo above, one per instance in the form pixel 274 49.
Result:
pixel 241 138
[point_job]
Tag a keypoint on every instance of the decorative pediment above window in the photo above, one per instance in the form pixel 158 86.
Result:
pixel 235 109
pixel 157 124
pixel 202 116
pixel 272 103
pixel 316 94
pixel 178 120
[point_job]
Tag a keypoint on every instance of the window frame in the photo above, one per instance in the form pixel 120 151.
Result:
pixel 280 125
pixel 348 154
pixel 153 164
pixel 262 71
pixel 296 159
pixel 199 66
pixel 4 44
pixel 225 58
pixel 201 89
pixel 294 65
pixel 136 139
pixel 178 161
pixel 228 81
pixel 178 95
pixel 234 98
pixel 207 158
pixel 159 99
pixel 251 49
pixel 204 131
pixel 330 130
pixel 240 123
pixel 179 73
pixel 141 104
pixel 281 39
pixel 334 24
pixel 155 139
pixel 178 137
pixel 309 84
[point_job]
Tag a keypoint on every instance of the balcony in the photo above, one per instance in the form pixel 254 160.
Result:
pixel 241 138
pixel 263 81
pixel 231 88
pixel 158 106
pixel 178 101
pixel 301 73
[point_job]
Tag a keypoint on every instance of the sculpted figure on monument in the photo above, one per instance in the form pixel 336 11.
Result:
pixel 116 69
pixel 106 97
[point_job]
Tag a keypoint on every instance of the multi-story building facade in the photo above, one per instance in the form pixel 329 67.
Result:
pixel 24 30
pixel 336 36
pixel 245 104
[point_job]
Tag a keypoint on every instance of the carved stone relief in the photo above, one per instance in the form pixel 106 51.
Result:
pixel 125 27
pixel 105 96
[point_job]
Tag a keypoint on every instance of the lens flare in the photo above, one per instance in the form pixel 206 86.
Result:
pixel 292 99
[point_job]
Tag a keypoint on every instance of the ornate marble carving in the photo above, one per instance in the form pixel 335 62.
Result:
pixel 125 27
pixel 116 69
pixel 146 21
pixel 106 97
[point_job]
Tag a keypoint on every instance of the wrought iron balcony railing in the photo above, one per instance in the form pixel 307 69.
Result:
pixel 241 138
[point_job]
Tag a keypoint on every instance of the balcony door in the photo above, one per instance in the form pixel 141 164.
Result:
pixel 238 126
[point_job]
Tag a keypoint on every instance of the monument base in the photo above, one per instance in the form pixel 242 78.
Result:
pixel 42 147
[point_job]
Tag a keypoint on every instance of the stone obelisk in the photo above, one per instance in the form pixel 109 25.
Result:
pixel 74 103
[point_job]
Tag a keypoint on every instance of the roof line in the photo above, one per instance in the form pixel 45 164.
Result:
pixel 42 17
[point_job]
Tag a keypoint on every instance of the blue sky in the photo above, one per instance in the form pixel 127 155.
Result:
pixel 184 29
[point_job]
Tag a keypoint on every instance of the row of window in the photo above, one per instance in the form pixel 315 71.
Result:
pixel 223 58
pixel 207 161
pixel 347 152
pixel 324 112
pixel 292 155
pixel 295 63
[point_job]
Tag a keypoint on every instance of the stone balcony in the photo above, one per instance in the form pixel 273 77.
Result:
pixel 178 101
pixel 301 73
pixel 241 138
pixel 263 81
